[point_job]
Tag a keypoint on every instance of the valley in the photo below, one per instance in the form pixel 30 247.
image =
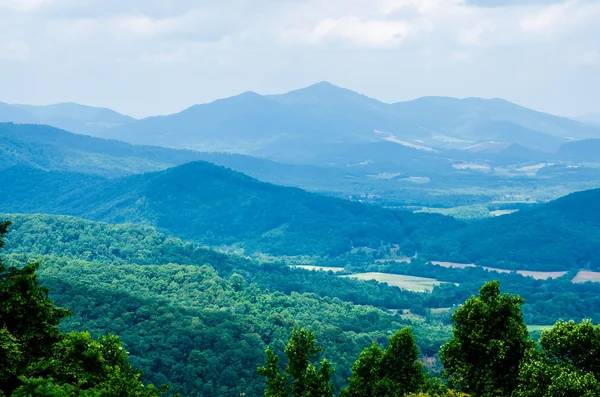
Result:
pixel 202 260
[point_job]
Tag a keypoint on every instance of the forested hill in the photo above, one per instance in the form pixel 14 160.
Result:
pixel 563 234
pixel 204 202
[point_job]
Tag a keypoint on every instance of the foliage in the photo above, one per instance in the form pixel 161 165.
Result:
pixel 37 359
pixel 488 343
pixel 301 376
pixel 567 365
pixel 393 372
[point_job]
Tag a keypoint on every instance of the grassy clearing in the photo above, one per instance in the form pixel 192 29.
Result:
pixel 321 268
pixel 411 283
pixel 585 276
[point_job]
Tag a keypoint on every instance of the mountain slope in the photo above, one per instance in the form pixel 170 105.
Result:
pixel 68 116
pixel 323 114
pixel 587 150
pixel 207 203
pixel 563 234
pixel 590 118
pixel 51 149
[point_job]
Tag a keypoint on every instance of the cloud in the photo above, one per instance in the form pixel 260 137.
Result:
pixel 353 31
pixel 23 5
pixel 192 51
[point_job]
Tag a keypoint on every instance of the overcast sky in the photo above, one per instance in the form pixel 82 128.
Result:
pixel 144 57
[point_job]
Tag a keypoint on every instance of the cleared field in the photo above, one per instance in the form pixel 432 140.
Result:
pixel 453 265
pixel 584 276
pixel 321 268
pixel 411 283
pixel 502 212
pixel 527 273
pixel 541 275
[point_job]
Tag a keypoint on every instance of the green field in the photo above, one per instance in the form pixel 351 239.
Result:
pixel 411 283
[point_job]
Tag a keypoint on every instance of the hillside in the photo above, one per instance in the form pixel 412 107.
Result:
pixel 181 309
pixel 275 125
pixel 561 235
pixel 581 151
pixel 52 149
pixel 215 205
pixel 67 116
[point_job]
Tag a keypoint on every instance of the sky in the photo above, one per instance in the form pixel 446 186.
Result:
pixel 147 57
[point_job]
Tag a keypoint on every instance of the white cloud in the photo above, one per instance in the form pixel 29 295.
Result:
pixel 23 5
pixel 353 31
pixel 198 50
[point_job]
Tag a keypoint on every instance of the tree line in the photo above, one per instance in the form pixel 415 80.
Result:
pixel 489 354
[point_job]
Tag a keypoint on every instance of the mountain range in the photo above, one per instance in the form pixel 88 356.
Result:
pixel 67 116
pixel 322 117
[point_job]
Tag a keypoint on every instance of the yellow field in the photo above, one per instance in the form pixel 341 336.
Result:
pixel 411 283
pixel 321 268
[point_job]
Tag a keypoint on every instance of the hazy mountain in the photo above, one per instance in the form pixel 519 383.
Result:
pixel 581 151
pixel 323 114
pixel 67 116
pixel 215 205
pixel 52 149
pixel 590 118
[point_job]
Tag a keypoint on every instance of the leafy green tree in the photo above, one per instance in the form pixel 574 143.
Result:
pixel 37 359
pixel 277 383
pixel 489 341
pixel 393 372
pixel 567 365
pixel 301 378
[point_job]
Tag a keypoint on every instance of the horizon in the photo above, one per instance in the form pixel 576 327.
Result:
pixel 153 57
pixel 285 93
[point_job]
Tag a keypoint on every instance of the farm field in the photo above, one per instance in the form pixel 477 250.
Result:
pixel 453 265
pixel 527 273
pixel 584 276
pixel 502 212
pixel 321 268
pixel 411 283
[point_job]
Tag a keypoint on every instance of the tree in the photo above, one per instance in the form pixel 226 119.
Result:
pixel 489 341
pixel 36 358
pixel 567 365
pixel 301 377
pixel 393 372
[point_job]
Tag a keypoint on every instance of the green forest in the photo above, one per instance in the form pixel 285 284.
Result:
pixel 192 332
pixel 200 321
pixel 188 281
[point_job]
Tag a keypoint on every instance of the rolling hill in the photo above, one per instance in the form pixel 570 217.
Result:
pixel 52 149
pixel 587 150
pixel 561 235
pixel 204 202
pixel 67 116
pixel 323 114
